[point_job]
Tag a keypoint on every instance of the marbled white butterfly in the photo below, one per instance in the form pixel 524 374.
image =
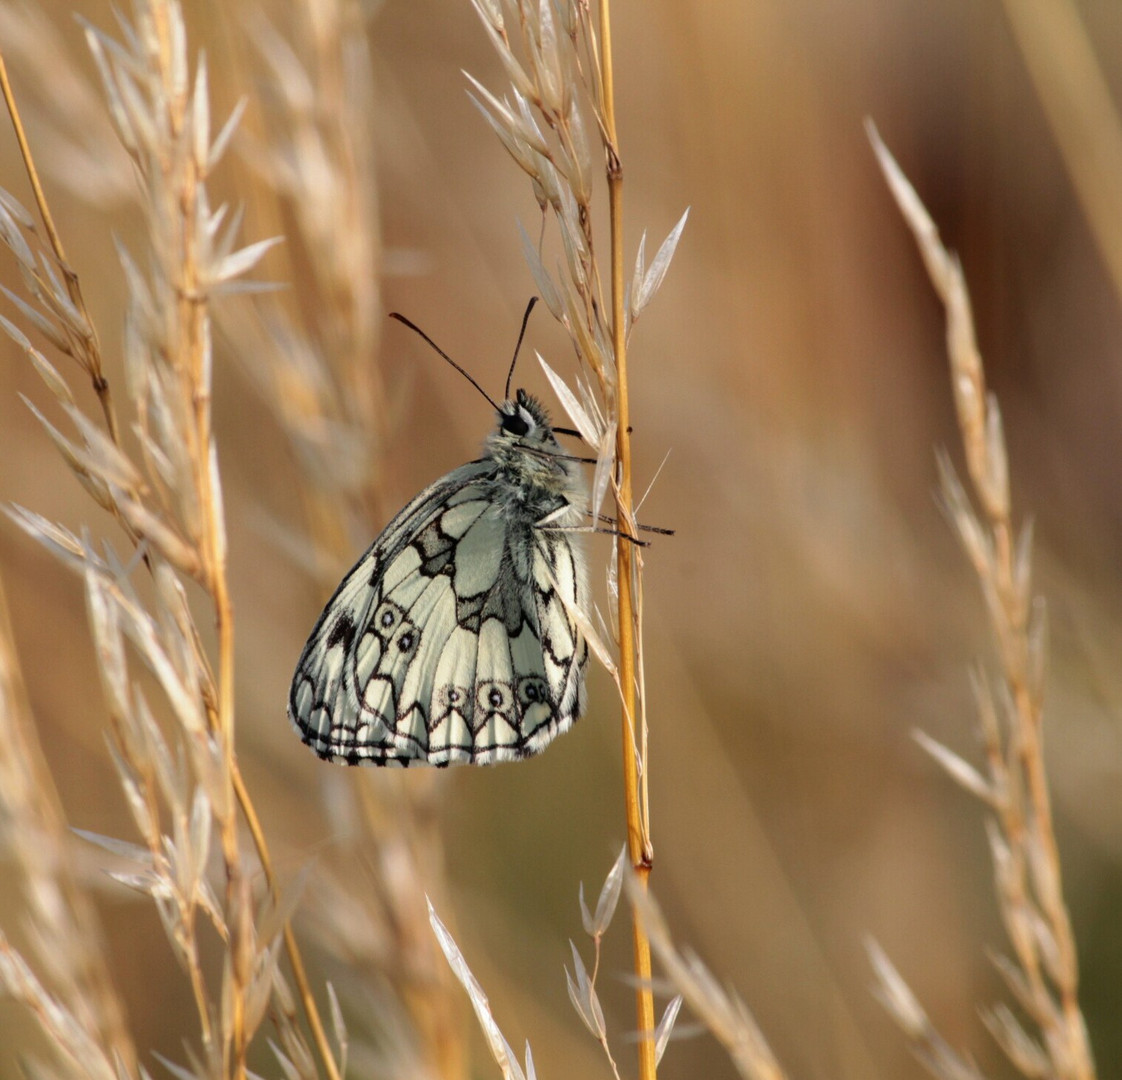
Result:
pixel 452 639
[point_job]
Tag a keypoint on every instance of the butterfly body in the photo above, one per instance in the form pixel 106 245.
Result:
pixel 452 639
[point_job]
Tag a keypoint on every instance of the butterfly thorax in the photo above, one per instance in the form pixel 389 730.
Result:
pixel 535 476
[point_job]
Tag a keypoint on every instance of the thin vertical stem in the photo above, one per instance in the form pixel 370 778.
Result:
pixel 184 179
pixel 638 842
pixel 1029 876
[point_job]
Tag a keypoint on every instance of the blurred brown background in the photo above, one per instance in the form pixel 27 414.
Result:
pixel 813 608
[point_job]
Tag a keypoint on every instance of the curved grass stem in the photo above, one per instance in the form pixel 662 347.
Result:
pixel 91 354
pixel 299 973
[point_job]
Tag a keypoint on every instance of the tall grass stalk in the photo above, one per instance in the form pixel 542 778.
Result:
pixel 1043 973
pixel 317 371
pixel 629 569
pixel 561 70
pixel 175 758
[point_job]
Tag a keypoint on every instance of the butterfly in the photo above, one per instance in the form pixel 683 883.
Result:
pixel 453 639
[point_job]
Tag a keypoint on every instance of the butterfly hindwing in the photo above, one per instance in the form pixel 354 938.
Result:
pixel 558 576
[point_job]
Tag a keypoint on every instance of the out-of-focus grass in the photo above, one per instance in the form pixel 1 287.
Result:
pixel 812 609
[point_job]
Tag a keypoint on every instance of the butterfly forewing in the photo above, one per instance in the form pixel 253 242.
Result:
pixel 453 639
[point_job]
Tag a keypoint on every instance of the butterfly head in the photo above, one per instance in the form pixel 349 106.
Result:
pixel 528 453
pixel 524 418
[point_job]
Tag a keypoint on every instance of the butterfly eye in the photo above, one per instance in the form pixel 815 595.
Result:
pixel 515 424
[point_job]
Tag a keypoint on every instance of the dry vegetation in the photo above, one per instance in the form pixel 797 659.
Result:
pixel 214 423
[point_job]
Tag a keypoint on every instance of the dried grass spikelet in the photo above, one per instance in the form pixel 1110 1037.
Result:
pixel 1042 974
pixel 316 362
pixel 171 737
pixel 722 1012
pixel 59 919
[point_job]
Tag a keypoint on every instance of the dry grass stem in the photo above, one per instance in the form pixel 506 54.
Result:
pixel 1084 120
pixel 1043 975
pixel 60 921
pixel 504 1056
pixel 559 61
pixel 581 984
pixel 721 1011
pixel 78 338
pixel 936 1054
pixel 176 759
pixel 629 565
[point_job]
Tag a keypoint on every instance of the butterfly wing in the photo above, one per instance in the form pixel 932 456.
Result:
pixel 449 641
pixel 531 656
pixel 559 589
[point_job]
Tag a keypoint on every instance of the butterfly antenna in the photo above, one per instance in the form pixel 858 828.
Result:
pixel 416 329
pixel 518 345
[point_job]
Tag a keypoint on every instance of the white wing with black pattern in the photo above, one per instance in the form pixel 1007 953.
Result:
pixel 452 640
